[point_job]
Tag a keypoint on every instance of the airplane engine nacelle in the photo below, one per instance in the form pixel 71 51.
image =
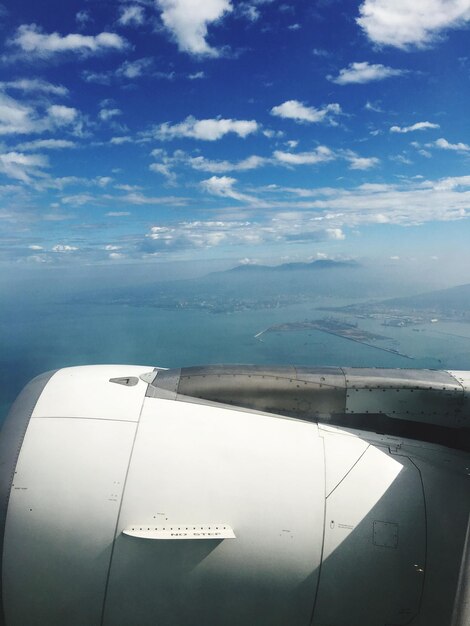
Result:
pixel 128 504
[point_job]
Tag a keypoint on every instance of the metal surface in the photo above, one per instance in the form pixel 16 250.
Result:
pixel 194 462
pixel 86 392
pixel 340 519
pixel 461 614
pixel 424 396
pixel 375 545
pixel 206 532
pixel 421 404
pixel 11 439
pixel 61 520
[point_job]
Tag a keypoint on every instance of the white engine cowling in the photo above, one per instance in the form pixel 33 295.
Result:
pixel 124 504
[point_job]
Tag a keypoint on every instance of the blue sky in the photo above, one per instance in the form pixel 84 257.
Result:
pixel 160 130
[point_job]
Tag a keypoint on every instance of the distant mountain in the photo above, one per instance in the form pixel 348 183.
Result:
pixel 320 264
pixel 454 298
pixel 453 303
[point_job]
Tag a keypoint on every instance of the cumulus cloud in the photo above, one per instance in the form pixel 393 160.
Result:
pixel 335 233
pixel 219 167
pixel 18 118
pixel 135 69
pixel 322 154
pixel 207 130
pixel 60 247
pixel 361 163
pixel 188 21
pixel 33 41
pixel 295 110
pixel 15 118
pixel 108 114
pixel 199 234
pixel 456 147
pixel 132 15
pixel 413 127
pixel 360 73
pixel 403 24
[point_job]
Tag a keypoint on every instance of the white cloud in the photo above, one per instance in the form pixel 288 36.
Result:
pixel 369 106
pixel 134 69
pixel 34 85
pixel 35 247
pixel 15 118
pixel 402 24
pixel 138 198
pixel 196 76
pixel 82 18
pixel 18 118
pixel 457 147
pixel 64 248
pixel 207 130
pixel 220 167
pixel 413 127
pixel 295 110
pixel 322 154
pixel 132 15
pixel 22 166
pixel 223 186
pixel 78 199
pixel 62 115
pixel 32 41
pixel 46 144
pixel 199 234
pixel 108 114
pixel 118 213
pixel 117 141
pixel 364 73
pixel 188 21
pixel 335 233
pixel 361 163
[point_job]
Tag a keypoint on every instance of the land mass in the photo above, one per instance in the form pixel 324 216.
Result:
pixel 336 327
pixel 451 304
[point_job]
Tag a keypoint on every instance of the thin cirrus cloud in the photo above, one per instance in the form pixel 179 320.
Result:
pixel 46 144
pixel 405 24
pixel 19 119
pixel 206 130
pixel 23 167
pixel 220 167
pixel 223 186
pixel 299 112
pixel 33 41
pixel 364 72
pixel 129 70
pixel 34 85
pixel 187 21
pixel 414 127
